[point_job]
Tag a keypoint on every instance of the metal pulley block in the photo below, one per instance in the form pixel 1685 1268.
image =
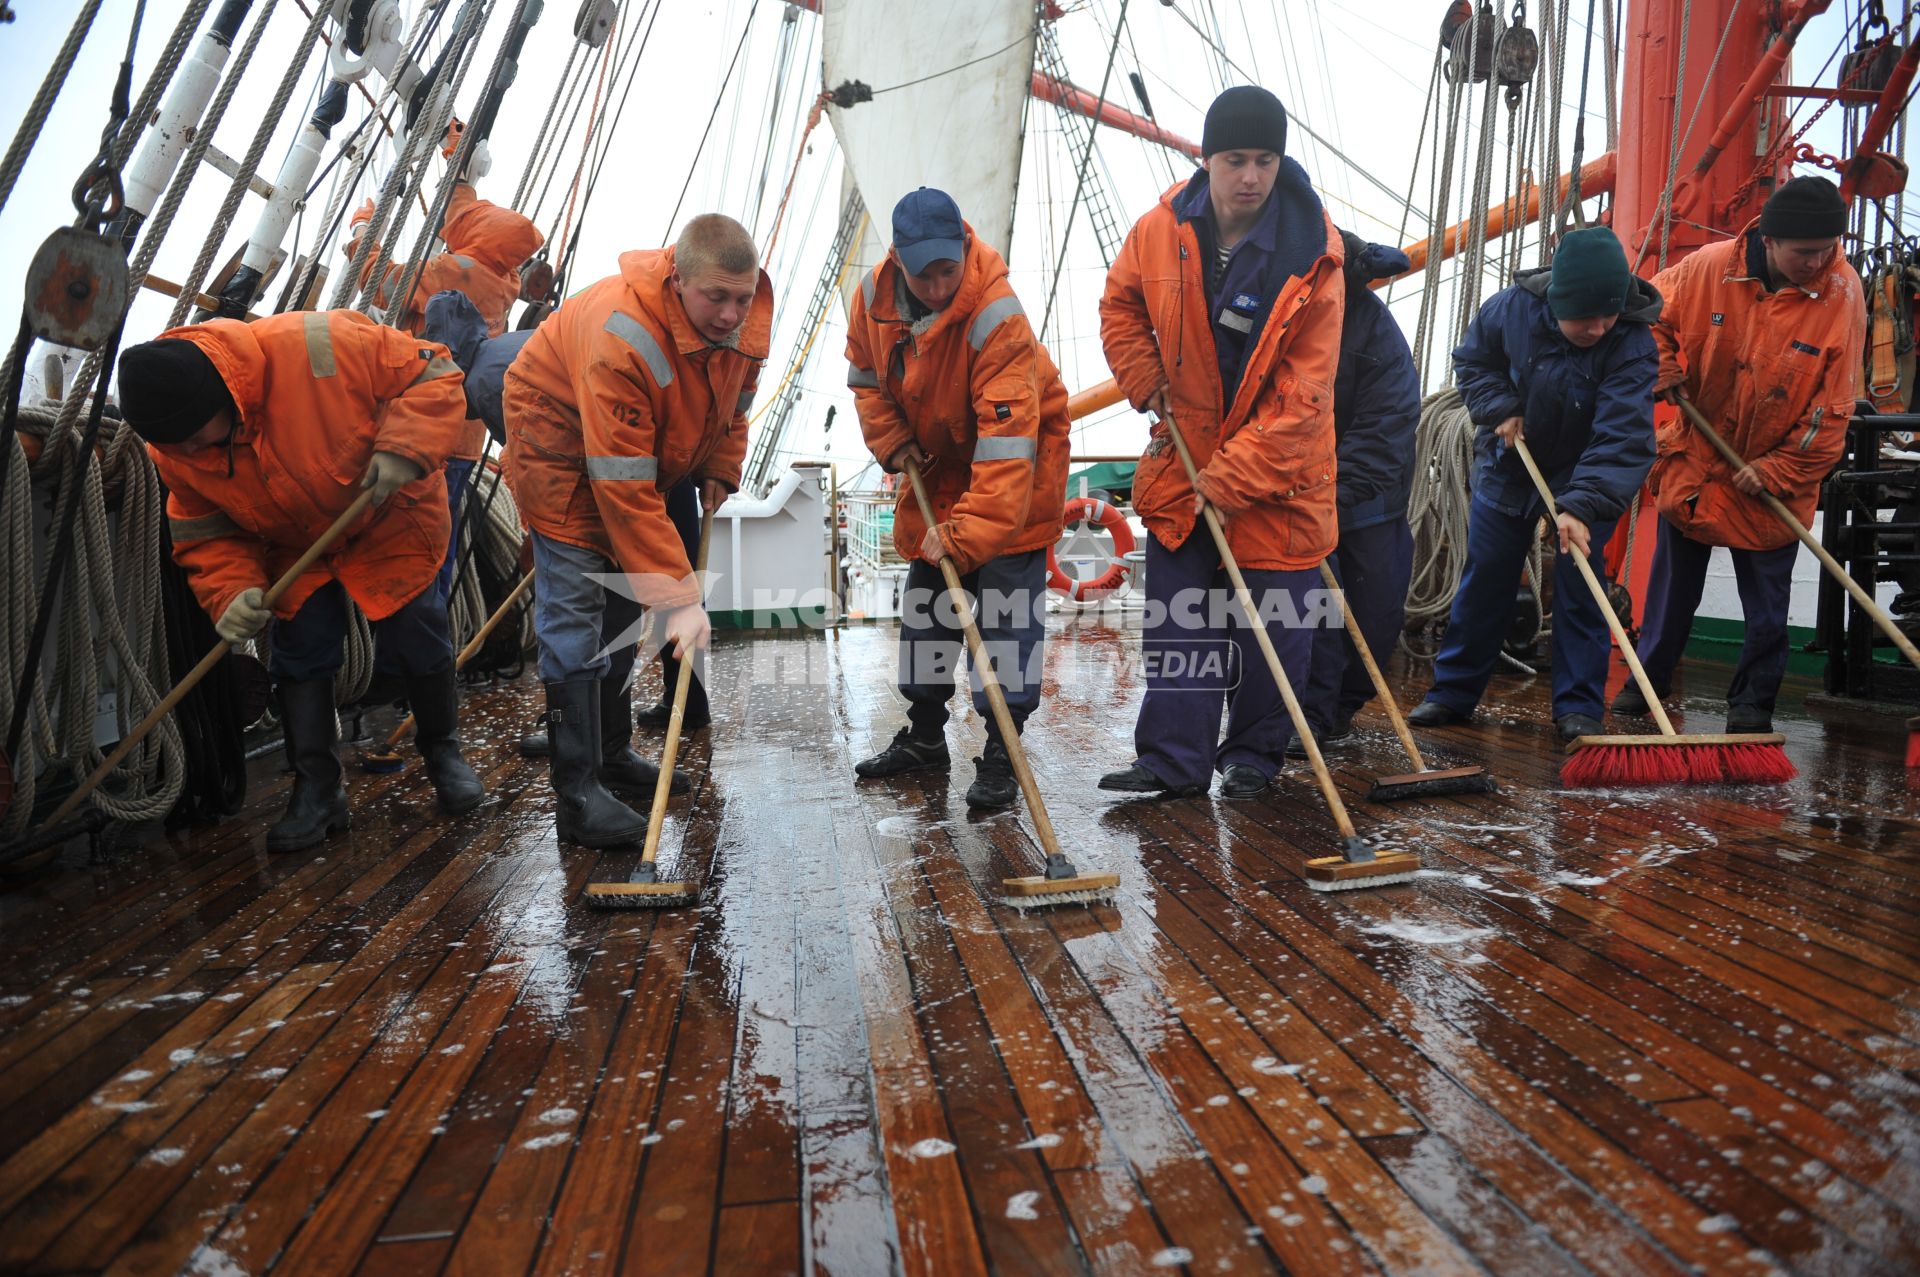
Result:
pixel 76 289
pixel 593 21
pixel 1517 57
pixel 1870 66
pixel 385 51
pixel 1470 51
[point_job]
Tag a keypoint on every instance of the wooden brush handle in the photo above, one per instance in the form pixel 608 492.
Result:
pixel 207 662
pixel 473 646
pixel 1867 602
pixel 1373 669
pixel 663 788
pixel 989 681
pixel 1259 628
pixel 1600 598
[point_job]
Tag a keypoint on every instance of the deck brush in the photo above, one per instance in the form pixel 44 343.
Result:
pixel 1061 883
pixel 1421 782
pixel 646 889
pixel 1864 600
pixel 387 760
pixel 1607 762
pixel 1361 865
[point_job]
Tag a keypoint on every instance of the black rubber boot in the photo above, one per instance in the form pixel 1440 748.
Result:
pixel 697 714
pixel 319 803
pixel 994 787
pixel 535 743
pixel 436 721
pixel 586 814
pixel 621 769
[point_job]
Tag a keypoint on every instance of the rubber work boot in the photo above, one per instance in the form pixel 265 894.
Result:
pixel 1434 714
pixel 1745 719
pixel 1573 726
pixel 904 754
pixel 621 769
pixel 318 806
pixel 436 721
pixel 697 714
pixel 1631 701
pixel 994 787
pixel 586 813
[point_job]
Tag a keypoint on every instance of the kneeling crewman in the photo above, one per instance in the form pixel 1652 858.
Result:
pixel 264 433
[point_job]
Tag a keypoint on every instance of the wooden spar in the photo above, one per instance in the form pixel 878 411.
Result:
pixel 1596 178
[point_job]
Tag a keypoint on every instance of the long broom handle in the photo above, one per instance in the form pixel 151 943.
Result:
pixel 1600 598
pixel 1866 601
pixel 989 681
pixel 473 646
pixel 663 787
pixel 1373 669
pixel 207 662
pixel 1259 628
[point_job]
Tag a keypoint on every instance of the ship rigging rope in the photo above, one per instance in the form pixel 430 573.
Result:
pixel 424 140
pixel 534 156
pixel 718 98
pixel 606 137
pixel 1080 176
pixel 550 162
pixel 806 348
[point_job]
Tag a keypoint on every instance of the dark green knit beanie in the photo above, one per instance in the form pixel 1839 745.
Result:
pixel 1590 275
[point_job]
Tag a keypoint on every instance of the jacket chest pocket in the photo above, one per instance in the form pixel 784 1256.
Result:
pixel 1783 384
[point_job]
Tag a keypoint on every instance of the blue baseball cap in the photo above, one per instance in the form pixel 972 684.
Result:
pixel 927 229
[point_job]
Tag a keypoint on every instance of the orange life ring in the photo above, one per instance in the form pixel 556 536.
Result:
pixel 1111 521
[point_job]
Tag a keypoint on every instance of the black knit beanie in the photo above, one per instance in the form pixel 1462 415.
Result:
pixel 1245 118
pixel 1590 275
pixel 169 390
pixel 1804 208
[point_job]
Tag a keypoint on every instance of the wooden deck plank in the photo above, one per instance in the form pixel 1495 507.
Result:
pixel 1602 1032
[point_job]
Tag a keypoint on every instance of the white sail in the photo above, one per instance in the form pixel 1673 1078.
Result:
pixel 950 84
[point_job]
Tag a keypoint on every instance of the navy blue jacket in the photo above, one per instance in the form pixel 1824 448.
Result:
pixel 1588 413
pixel 1288 238
pixel 454 322
pixel 1376 396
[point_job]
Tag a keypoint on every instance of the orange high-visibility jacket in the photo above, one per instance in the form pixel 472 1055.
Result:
pixel 317 393
pixel 1271 452
pixel 486 245
pixel 973 386
pixel 1777 375
pixel 615 399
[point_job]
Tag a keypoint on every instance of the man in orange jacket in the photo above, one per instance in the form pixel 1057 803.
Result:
pixel 1224 309
pixel 635 383
pixel 232 415
pixel 1764 334
pixel 485 248
pixel 946 371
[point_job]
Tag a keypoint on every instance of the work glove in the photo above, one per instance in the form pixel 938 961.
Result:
pixel 388 473
pixel 245 617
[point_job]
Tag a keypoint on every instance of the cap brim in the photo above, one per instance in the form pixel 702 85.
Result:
pixel 918 257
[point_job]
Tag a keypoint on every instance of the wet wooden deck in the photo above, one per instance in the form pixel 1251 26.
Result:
pixel 1618 1032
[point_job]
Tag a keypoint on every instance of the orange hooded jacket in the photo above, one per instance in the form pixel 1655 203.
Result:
pixel 1270 454
pixel 1777 375
pixel 615 399
pixel 316 394
pixel 973 386
pixel 485 246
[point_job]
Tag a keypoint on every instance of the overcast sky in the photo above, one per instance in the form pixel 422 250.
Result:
pixel 1354 71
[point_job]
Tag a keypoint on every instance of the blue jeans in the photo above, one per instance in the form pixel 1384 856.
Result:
pixel 1497 547
pixel 411 643
pixel 1009 596
pixel 1194 666
pixel 459 472
pixel 584 629
pixel 1373 565
pixel 1679 574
